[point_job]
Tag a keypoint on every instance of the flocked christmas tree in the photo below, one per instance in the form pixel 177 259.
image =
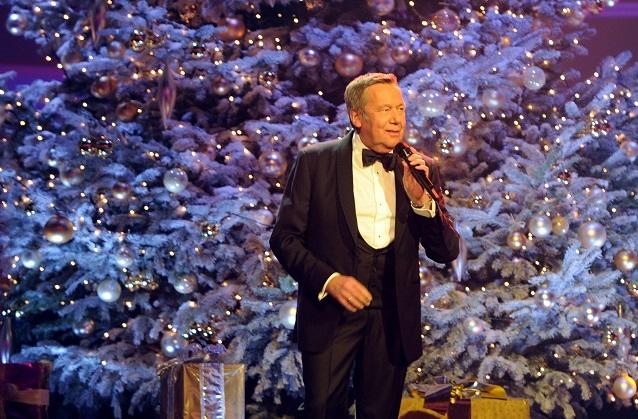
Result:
pixel 137 194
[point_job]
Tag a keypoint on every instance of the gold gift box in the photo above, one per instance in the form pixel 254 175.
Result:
pixel 202 390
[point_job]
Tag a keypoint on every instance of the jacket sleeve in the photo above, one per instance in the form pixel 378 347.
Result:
pixel 288 239
pixel 438 236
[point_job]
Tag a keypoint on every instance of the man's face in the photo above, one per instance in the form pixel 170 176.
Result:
pixel 382 122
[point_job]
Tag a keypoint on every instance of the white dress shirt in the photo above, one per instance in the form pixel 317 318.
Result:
pixel 375 202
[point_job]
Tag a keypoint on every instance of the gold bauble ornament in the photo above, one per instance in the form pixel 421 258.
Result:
pixel 127 111
pixel 560 225
pixel 516 240
pixel 58 229
pixel 104 87
pixel 626 261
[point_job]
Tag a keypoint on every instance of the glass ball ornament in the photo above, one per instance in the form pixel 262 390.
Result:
pixel 272 164
pixel 128 110
pixel 58 229
pixel 400 54
pixel 109 290
pixel 432 103
pixel 17 23
pixel 630 148
pixel 624 387
pixel 626 261
pixel 172 343
pixel 71 57
pixel 446 20
pixel 309 57
pixel 104 87
pixel 124 257
pixel 185 284
pixel 288 314
pixel 348 64
pixel 516 240
pixel 540 225
pixel 493 99
pixel 533 77
pixel 381 7
pixel 592 234
pixel 473 326
pixel 545 298
pixel 121 190
pixel 263 216
pixel 560 225
pixel 267 78
pixel 115 49
pixel 175 180
pixel 83 327
pixel 71 176
pixel 234 29
pixel 221 86
pixel 31 258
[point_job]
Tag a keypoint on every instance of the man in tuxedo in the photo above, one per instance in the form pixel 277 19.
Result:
pixel 348 230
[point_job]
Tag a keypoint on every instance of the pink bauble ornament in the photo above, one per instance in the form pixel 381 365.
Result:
pixel 309 57
pixel 348 64
pixel 446 20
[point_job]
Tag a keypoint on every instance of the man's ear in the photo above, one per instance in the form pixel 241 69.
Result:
pixel 355 119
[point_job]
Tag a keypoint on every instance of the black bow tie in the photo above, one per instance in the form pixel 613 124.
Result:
pixel 388 160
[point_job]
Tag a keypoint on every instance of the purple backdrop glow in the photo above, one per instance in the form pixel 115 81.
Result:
pixel 617 30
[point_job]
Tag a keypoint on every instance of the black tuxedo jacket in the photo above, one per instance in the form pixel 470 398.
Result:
pixel 316 232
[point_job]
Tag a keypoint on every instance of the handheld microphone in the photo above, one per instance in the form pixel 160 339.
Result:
pixel 404 152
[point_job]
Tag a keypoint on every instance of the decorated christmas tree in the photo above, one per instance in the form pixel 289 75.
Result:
pixel 138 193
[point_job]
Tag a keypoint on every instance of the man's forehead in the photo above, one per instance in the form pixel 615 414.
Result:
pixel 389 94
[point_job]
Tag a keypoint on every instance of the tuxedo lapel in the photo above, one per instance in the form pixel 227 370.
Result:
pixel 402 204
pixel 344 183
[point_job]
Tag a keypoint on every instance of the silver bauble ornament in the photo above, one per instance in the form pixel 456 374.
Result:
pixel 175 180
pixel 71 176
pixel 473 326
pixel 624 387
pixel 540 225
pixel 309 57
pixel 109 290
pixel 592 234
pixel 83 327
pixel 172 344
pixel 533 77
pixel 381 7
pixel 185 284
pixel 31 258
pixel 626 261
pixel 17 23
pixel 432 103
pixel 493 99
pixel 263 216
pixel 288 314
pixel 124 257
pixel 590 314
pixel 630 148
pixel 58 229
pixel 116 49
pixel 272 164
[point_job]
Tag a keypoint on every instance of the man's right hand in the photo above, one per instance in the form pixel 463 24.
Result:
pixel 350 293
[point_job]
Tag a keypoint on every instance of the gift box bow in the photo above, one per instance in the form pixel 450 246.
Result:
pixel 477 389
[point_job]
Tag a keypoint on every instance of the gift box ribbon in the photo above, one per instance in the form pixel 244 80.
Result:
pixel 10 393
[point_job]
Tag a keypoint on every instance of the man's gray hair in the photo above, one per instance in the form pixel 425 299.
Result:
pixel 353 95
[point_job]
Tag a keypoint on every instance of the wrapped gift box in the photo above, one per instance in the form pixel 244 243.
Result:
pixel 202 390
pixel 489 408
pixel 24 390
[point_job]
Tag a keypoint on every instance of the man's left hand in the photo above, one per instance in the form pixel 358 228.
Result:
pixel 417 195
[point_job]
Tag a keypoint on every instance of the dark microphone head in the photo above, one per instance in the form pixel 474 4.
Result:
pixel 403 151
